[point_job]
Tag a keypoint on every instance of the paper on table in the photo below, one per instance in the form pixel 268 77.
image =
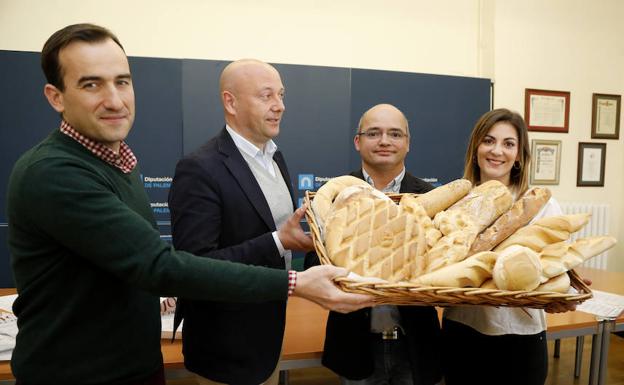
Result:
pixel 8 327
pixel 167 312
pixel 603 304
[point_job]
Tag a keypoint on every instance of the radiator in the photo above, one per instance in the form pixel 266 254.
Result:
pixel 598 225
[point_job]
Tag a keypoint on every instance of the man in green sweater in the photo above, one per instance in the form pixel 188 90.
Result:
pixel 87 258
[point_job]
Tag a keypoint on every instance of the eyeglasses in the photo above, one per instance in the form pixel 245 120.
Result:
pixel 394 135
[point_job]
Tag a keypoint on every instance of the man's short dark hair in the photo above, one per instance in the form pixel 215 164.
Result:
pixel 62 38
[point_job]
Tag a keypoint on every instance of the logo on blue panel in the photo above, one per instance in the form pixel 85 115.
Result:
pixel 306 181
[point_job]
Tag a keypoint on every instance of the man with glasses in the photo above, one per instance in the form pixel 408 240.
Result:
pixel 386 344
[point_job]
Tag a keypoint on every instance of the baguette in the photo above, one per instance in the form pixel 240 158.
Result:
pixel 461 223
pixel 482 206
pixel 471 272
pixel 558 258
pixel 570 223
pixel 519 215
pixel 535 237
pixel 444 196
pixel 517 268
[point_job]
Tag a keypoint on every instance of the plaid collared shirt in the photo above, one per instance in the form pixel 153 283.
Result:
pixel 125 160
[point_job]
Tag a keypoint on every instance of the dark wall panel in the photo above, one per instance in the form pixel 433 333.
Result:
pixel 25 115
pixel 202 112
pixel 441 111
pixel 156 137
pixel 178 109
pixel 25 119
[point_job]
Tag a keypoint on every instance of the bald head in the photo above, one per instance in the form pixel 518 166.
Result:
pixel 386 113
pixel 252 94
pixel 242 71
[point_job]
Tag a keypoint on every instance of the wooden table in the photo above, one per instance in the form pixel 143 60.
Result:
pixel 305 329
pixel 303 339
pixel 612 282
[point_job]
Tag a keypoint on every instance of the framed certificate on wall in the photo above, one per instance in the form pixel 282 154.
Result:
pixel 547 111
pixel 545 161
pixel 606 116
pixel 591 164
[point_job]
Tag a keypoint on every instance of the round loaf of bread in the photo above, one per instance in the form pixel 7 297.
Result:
pixel 517 268
pixel 353 193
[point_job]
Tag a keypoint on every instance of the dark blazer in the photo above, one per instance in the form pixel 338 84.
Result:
pixel 348 347
pixel 216 203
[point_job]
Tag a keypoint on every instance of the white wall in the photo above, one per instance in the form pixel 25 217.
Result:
pixel 405 35
pixel 572 45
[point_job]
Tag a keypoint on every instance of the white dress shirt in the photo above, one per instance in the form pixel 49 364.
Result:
pixel 264 159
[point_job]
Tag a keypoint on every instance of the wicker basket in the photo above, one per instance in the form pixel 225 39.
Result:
pixel 406 293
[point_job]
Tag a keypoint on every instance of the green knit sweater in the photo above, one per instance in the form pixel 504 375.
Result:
pixel 89 266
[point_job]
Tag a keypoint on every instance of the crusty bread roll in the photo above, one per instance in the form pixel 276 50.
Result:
pixel 558 258
pixel 519 215
pixel 444 196
pixel 324 197
pixel 570 223
pixel 557 284
pixel 375 238
pixel 517 268
pixel 410 205
pixel 471 272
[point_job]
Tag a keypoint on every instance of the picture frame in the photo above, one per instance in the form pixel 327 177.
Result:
pixel 545 162
pixel 546 110
pixel 590 170
pixel 606 116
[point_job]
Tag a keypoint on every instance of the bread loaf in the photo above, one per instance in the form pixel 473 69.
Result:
pixel 410 205
pixel 471 272
pixel 353 193
pixel 456 220
pixel 444 196
pixel 461 223
pixel 558 258
pixel 517 268
pixel 481 207
pixel 557 284
pixel 375 238
pixel 519 215
pixel 449 249
pixel 324 197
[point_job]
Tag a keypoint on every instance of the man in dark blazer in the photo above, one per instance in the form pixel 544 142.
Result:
pixel 387 344
pixel 234 193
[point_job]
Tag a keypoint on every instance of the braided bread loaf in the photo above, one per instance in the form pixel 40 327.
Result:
pixel 375 238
